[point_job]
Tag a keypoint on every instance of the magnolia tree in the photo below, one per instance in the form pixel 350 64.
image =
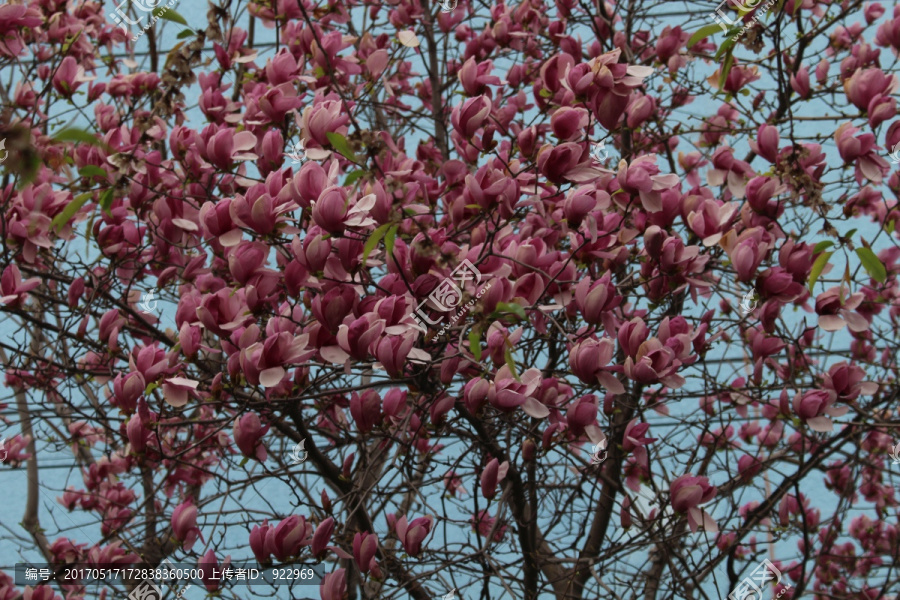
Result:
pixel 526 300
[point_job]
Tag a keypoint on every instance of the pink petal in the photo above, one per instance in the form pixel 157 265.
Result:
pixel 535 409
pixel 609 381
pixel 408 38
pixel 831 322
pixel 334 354
pixel 272 377
pixel 822 424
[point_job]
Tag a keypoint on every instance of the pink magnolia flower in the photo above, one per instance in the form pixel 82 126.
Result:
pixel 287 538
pixel 484 524
pixel 12 450
pixel 687 494
pixel 334 585
pixel 210 570
pixel 184 524
pixel 470 116
pixel 837 311
pixel 365 547
pixel 258 542
pixel 861 150
pixel 248 434
pixel 69 76
pixel 324 117
pixel 634 435
pixel 642 178
pixel 814 407
pixel 41 592
pixel 582 414
pixel 866 85
pixel 588 359
pixel 594 298
pixel 568 123
pixel 177 390
pixel 654 363
pixel 476 76
pixel 126 391
pixel 766 142
pixel 226 147
pixel 321 537
pixel 366 410
pixel 13 290
pixel 412 534
pixel 493 473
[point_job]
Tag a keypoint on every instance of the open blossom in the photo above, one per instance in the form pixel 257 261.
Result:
pixel 687 494
pixel 414 533
pixel 837 310
pixel 816 406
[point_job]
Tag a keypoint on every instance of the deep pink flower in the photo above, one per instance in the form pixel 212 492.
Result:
pixel 184 524
pixel 493 473
pixel 412 534
pixel 211 570
pixel 365 547
pixel 248 433
pixel 334 585
pixel 687 493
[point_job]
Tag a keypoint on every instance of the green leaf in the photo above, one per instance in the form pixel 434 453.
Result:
pixel 726 68
pixel 871 264
pixel 822 246
pixel 726 47
pixel 890 226
pixel 170 15
pixel 340 144
pixel 850 234
pixel 373 241
pixel 245 461
pixel 389 239
pixel 92 171
pixel 69 211
pixel 353 176
pixel 797 4
pixel 545 93
pixel 817 268
pixel 319 72
pixel 106 201
pixel 73 134
pixel 705 31
pixel 511 363
pixel 185 34
pixel 475 343
pixel 512 307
